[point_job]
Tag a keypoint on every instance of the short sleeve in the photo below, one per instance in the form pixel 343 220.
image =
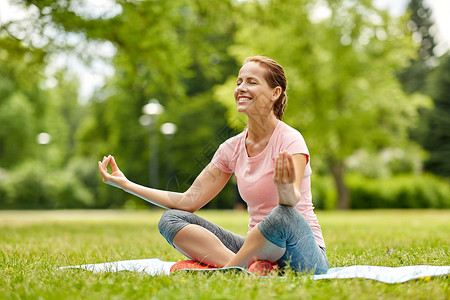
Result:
pixel 295 144
pixel 221 159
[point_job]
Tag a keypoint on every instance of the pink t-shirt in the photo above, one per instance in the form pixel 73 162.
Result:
pixel 255 174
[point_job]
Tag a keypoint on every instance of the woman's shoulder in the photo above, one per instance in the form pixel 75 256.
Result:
pixel 225 156
pixel 235 139
pixel 289 132
pixel 232 143
pixel 289 138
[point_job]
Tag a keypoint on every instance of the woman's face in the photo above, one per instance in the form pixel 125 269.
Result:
pixel 253 95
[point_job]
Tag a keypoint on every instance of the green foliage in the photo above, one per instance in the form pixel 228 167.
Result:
pixel 343 85
pixel 387 162
pixel 31 186
pixel 16 136
pixel 403 191
pixel 189 60
pixel 435 132
pixel 399 191
pixel 344 96
pixel 323 191
pixel 414 76
pixel 429 74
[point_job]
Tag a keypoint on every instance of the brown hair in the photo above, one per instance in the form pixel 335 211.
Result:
pixel 275 76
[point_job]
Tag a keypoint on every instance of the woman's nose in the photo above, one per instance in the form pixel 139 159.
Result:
pixel 241 87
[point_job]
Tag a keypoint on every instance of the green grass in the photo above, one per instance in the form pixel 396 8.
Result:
pixel 34 244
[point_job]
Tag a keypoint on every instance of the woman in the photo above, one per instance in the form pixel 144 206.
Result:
pixel 271 163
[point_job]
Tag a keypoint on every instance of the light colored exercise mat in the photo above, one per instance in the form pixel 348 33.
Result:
pixel 155 266
pixel 151 266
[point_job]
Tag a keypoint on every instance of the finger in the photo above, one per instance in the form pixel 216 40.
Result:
pixel 113 164
pixel 105 162
pixel 276 175
pixel 286 170
pixel 100 168
pixel 281 167
pixel 291 168
pixel 103 172
pixel 102 164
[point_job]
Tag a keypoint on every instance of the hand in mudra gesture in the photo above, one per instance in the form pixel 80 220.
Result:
pixel 284 178
pixel 116 178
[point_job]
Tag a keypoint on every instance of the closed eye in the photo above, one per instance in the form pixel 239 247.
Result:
pixel 250 81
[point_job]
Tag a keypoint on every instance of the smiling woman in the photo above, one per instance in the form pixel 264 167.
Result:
pixel 251 78
pixel 271 162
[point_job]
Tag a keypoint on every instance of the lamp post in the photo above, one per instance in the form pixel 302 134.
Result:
pixel 168 130
pixel 43 139
pixel 151 112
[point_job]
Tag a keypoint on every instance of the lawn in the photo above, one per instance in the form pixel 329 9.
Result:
pixel 34 244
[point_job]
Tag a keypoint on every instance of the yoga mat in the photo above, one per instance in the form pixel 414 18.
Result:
pixel 155 266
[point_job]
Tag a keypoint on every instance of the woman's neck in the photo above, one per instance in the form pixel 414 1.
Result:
pixel 260 129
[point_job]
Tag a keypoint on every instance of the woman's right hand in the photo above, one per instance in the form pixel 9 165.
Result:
pixel 116 178
pixel 284 177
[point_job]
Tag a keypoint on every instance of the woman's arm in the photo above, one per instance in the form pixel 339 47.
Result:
pixel 205 187
pixel 288 175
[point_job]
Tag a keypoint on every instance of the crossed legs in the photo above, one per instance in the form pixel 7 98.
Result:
pixel 282 236
pixel 206 242
pixel 284 233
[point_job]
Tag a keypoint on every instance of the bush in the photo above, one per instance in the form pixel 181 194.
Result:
pixel 67 191
pixel 31 186
pixel 25 187
pixel 323 192
pixel 403 191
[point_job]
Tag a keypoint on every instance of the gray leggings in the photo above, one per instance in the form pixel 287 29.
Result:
pixel 284 226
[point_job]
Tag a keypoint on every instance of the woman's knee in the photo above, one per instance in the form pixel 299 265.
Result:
pixel 281 224
pixel 283 215
pixel 171 222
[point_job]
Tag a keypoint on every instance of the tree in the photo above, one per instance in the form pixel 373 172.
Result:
pixel 428 74
pixel 414 76
pixel 436 132
pixel 21 72
pixel 341 65
pixel 170 50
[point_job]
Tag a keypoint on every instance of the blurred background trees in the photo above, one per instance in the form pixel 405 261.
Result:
pixel 366 90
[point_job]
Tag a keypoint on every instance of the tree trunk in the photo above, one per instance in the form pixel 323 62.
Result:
pixel 337 170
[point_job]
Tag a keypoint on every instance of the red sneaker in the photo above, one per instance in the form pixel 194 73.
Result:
pixel 263 267
pixel 189 265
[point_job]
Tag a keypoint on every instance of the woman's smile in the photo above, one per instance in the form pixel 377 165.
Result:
pixel 244 99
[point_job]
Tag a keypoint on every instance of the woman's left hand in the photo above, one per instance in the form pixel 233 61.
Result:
pixel 284 178
pixel 116 178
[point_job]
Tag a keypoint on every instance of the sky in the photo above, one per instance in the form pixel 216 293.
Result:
pixel 440 14
pixel 90 79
